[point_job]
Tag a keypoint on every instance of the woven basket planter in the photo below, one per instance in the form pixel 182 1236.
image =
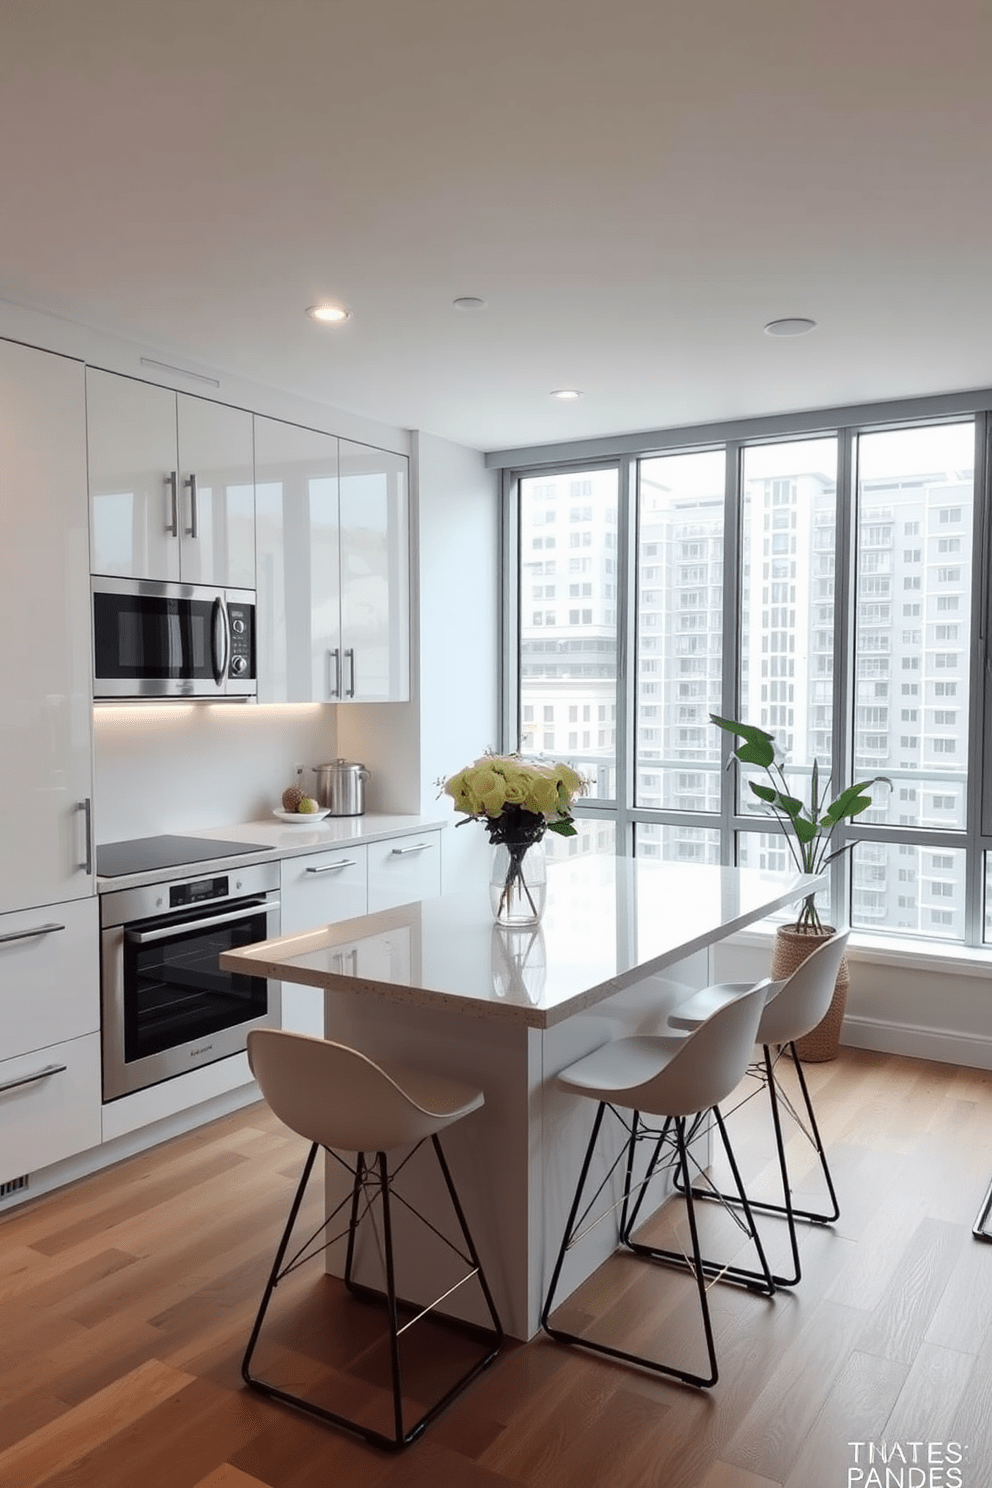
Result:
pixel 792 946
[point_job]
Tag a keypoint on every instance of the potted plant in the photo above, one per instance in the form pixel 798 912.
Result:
pixel 809 830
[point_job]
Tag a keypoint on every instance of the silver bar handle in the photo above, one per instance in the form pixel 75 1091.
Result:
pixel 334 658
pixel 351 685
pixel 332 867
pixel 190 485
pixel 28 934
pixel 186 927
pixel 42 1074
pixel 398 852
pixel 86 807
pixel 220 639
pixel 172 482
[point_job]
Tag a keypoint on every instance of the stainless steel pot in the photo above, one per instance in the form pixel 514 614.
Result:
pixel 341 787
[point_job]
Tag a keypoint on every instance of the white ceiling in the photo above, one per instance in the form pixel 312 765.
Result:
pixel 635 189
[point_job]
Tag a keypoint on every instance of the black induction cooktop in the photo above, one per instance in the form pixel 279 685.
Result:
pixel 148 854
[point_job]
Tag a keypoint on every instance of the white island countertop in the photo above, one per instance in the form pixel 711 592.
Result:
pixel 609 923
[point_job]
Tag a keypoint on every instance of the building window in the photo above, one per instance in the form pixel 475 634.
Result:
pixel 905 587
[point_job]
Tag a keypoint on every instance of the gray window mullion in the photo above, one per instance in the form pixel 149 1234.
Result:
pixel 626 732
pixel 845 576
pixel 978 815
pixel 508 701
pixel 730 679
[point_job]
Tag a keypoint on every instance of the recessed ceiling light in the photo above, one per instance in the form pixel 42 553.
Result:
pixel 469 302
pixel 566 395
pixel 329 314
pixel 792 325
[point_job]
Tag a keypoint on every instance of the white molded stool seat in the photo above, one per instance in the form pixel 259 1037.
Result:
pixel 793 1008
pixel 675 1078
pixel 342 1101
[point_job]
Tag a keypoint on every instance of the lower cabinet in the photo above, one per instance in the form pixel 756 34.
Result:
pixel 404 869
pixel 49 1106
pixel 49 1036
pixel 318 889
pixel 323 888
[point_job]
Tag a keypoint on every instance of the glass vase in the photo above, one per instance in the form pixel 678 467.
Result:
pixel 518 882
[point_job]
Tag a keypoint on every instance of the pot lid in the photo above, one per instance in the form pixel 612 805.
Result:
pixel 341 765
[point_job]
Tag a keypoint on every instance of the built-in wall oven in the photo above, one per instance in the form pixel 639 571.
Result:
pixel 167 1006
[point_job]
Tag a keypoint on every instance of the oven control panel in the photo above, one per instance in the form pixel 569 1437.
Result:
pixel 200 891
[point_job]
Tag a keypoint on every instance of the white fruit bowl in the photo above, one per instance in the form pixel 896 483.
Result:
pixel 300 818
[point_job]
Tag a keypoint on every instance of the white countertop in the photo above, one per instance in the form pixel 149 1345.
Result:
pixel 278 839
pixel 609 922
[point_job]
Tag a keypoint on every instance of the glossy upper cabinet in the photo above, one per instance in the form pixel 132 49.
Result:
pixel 333 568
pixel 298 620
pixel 375 574
pixel 46 768
pixel 171 484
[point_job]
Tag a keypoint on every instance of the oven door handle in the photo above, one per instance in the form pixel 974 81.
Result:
pixel 145 937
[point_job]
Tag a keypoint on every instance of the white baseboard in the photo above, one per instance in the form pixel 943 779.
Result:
pixel 970 1050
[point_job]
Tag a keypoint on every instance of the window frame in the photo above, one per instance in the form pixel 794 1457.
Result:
pixel 846 425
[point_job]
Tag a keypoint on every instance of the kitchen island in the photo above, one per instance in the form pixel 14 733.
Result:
pixel 436 983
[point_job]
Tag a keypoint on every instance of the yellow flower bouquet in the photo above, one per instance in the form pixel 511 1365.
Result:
pixel 518 801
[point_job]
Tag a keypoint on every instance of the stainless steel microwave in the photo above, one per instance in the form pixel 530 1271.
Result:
pixel 159 640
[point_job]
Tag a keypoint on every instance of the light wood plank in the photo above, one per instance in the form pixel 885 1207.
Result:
pixel 30 1461
pixel 126 1299
pixel 227 1476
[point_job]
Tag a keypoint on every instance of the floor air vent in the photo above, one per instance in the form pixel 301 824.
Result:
pixel 13 1185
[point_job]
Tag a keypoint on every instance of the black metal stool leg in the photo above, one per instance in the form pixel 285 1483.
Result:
pixel 818 1144
pixel 756 1281
pixel 379 1180
pixel 696 1263
pixel 787 1208
pixel 277 1264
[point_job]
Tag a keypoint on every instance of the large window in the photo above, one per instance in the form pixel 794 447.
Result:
pixel 819 585
pixel 569 565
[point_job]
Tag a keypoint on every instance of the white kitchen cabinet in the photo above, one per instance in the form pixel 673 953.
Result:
pixel 171 484
pixel 49 1106
pixel 404 869
pixel 375 574
pixel 49 976
pixel 318 888
pixel 332 520
pixel 298 620
pixel 49 1036
pixel 46 780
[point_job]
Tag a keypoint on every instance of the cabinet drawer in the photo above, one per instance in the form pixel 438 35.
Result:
pixel 320 888
pixel 49 1105
pixel 404 869
pixel 49 976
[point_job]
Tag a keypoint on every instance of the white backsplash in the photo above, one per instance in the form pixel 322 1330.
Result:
pixel 176 767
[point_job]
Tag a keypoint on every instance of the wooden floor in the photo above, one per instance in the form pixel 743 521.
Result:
pixel 125 1302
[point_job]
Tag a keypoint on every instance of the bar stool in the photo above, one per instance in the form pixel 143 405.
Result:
pixel 674 1077
pixel 794 1007
pixel 342 1101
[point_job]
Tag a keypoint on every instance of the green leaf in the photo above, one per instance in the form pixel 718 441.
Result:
pixel 806 830
pixel 759 746
pixel 563 828
pixel 788 805
pixel 851 801
pixel 763 792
